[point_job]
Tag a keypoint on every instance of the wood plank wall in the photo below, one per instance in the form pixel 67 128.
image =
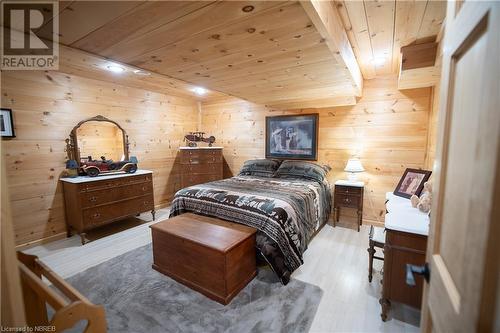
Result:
pixel 388 128
pixel 46 106
pixel 97 138
pixel 433 122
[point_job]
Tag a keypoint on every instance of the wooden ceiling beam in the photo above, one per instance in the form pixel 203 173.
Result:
pixel 327 21
pixel 354 19
pixel 315 103
pixel 296 93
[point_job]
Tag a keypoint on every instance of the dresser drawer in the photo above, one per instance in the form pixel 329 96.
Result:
pixel 345 200
pixel 102 183
pixel 203 169
pixel 405 240
pixel 349 190
pixel 202 159
pixel 200 152
pixel 99 197
pixel 95 216
pixel 190 180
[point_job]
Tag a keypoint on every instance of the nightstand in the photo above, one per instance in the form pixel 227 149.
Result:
pixel 348 194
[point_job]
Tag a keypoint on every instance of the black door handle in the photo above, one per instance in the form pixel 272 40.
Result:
pixel 421 270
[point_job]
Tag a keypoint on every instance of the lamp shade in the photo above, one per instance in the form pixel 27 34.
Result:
pixel 354 165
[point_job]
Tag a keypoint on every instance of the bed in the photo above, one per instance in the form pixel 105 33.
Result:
pixel 286 209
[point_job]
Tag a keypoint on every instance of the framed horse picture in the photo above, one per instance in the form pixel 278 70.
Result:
pixel 292 137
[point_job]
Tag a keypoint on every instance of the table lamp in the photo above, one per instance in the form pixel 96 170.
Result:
pixel 353 166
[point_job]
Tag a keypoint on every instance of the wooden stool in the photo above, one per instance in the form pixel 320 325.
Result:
pixel 376 239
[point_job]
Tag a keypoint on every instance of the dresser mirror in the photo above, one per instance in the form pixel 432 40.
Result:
pixel 96 137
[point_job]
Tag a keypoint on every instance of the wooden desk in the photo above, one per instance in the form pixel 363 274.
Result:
pixel 405 243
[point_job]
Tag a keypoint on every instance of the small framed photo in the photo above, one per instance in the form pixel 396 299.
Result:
pixel 412 182
pixel 292 137
pixel 6 123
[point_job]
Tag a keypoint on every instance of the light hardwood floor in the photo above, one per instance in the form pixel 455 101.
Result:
pixel 336 261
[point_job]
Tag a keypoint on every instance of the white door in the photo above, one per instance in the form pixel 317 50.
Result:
pixel 464 243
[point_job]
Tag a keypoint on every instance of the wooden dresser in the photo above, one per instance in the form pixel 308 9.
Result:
pixel 405 243
pixel 91 202
pixel 200 165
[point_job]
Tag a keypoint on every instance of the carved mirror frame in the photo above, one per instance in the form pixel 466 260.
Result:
pixel 72 142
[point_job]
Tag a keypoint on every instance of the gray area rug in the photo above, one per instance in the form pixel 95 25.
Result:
pixel 139 299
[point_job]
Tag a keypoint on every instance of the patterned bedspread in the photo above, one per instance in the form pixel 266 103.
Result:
pixel 286 213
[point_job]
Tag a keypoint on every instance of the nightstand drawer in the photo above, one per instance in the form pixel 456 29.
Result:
pixel 344 200
pixel 349 190
pixel 349 195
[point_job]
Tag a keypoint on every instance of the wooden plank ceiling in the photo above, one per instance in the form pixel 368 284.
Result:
pixel 72 61
pixel 268 52
pixel 378 29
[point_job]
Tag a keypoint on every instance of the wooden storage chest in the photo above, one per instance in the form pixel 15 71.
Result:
pixel 211 256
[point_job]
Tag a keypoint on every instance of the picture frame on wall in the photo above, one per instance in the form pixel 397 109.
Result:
pixel 412 182
pixel 292 137
pixel 6 123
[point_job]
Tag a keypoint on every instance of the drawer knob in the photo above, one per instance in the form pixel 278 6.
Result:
pixel 93 199
pixel 144 188
pixel 96 215
pixel 146 203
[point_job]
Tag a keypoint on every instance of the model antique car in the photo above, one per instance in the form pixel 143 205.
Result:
pixel 95 167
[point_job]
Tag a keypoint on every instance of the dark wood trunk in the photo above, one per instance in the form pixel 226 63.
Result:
pixel 211 256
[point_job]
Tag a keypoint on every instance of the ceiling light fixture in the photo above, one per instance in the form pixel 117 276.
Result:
pixel 248 9
pixel 115 68
pixel 199 91
pixel 379 61
pixel 141 72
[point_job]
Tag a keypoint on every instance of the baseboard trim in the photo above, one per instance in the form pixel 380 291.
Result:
pixel 30 244
pixel 374 223
pixel 40 241
pixel 163 205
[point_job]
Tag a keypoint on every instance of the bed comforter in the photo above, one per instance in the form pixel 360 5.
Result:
pixel 285 212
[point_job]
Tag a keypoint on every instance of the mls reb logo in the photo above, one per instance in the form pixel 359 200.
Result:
pixel 30 35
